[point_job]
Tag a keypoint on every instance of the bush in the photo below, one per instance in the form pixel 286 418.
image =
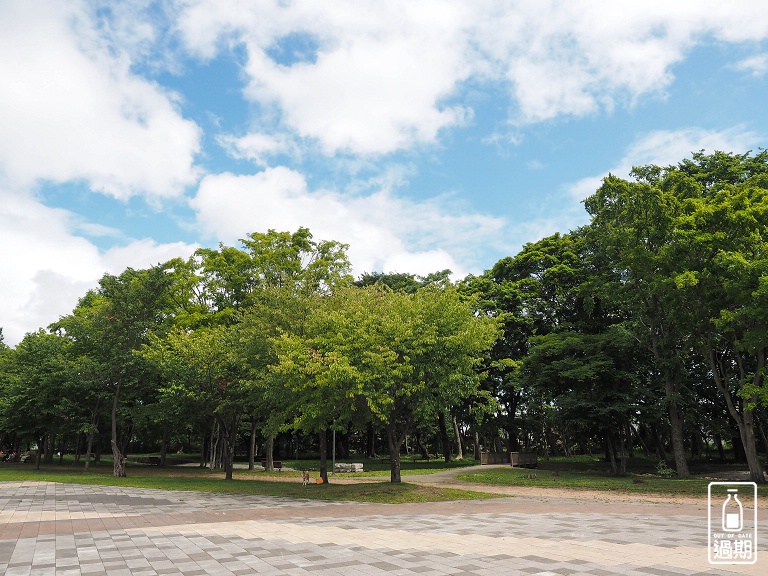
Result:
pixel 663 470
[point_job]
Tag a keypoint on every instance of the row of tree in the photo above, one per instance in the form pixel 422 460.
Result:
pixel 645 329
pixel 274 333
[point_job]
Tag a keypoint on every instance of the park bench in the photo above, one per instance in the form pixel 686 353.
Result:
pixel 521 459
pixel 524 459
pixel 151 460
pixel 346 467
pixel 276 464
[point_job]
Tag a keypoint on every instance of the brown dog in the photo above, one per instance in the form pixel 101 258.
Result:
pixel 304 477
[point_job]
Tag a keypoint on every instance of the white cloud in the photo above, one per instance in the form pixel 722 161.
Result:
pixel 385 232
pixel 47 268
pixel 258 147
pixel 666 148
pixel 756 65
pixel 377 81
pixel 71 109
pixel 380 75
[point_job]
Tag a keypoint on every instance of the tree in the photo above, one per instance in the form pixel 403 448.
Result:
pixel 541 290
pixel 632 223
pixel 290 271
pixel 108 326
pixel 687 246
pixel 593 383
pixel 391 357
pixel 36 398
pixel 201 367
pixel 722 242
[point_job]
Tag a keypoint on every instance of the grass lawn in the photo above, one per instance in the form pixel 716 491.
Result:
pixel 590 473
pixel 580 472
pixel 244 482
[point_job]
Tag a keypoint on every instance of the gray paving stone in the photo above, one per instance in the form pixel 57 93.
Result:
pixel 187 550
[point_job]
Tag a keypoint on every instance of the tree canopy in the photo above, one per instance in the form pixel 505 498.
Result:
pixel 646 329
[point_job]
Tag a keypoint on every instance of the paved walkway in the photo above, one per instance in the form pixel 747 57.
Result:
pixel 62 529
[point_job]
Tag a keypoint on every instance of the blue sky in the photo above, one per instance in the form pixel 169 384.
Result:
pixel 426 134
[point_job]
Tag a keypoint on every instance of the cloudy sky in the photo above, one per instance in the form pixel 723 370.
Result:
pixel 426 134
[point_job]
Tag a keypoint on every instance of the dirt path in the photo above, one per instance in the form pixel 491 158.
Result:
pixel 447 479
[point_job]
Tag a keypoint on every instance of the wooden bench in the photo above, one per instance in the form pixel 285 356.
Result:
pixel 524 459
pixel 277 464
pixel 151 460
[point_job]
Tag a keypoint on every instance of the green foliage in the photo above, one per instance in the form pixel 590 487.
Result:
pixel 663 470
pixel 373 354
pixel 649 323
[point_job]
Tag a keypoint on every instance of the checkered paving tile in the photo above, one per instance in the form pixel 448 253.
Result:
pixel 55 529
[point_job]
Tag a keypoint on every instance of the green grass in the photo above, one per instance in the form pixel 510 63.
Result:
pixel 579 473
pixel 588 473
pixel 244 482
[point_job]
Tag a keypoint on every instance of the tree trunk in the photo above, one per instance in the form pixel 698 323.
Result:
pixel 323 437
pixel 720 447
pixel 394 453
pixel 444 440
pixel 118 459
pixel 39 453
pixel 762 433
pixel 646 450
pixel 88 449
pixel 695 446
pixel 49 441
pixel 422 449
pixel 229 456
pixel 623 452
pixel 747 432
pixel 252 449
pixel 343 445
pixel 477 445
pixel 214 446
pixel 270 453
pixel 62 449
pixel 676 426
pixel 164 446
pixel 457 433
pixel 744 420
pixel 610 453
pixel 658 444
pixel 370 441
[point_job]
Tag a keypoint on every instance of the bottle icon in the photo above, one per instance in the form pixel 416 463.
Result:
pixel 733 512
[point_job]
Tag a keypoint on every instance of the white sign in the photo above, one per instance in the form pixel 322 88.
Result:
pixel 732 522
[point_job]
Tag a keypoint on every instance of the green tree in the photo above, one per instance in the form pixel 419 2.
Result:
pixel 632 223
pixel 389 356
pixel 721 247
pixel 290 271
pixel 687 248
pixel 40 384
pixel 201 368
pixel 541 290
pixel 592 382
pixel 109 326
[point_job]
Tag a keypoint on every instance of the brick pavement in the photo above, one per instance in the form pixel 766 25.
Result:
pixel 63 529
